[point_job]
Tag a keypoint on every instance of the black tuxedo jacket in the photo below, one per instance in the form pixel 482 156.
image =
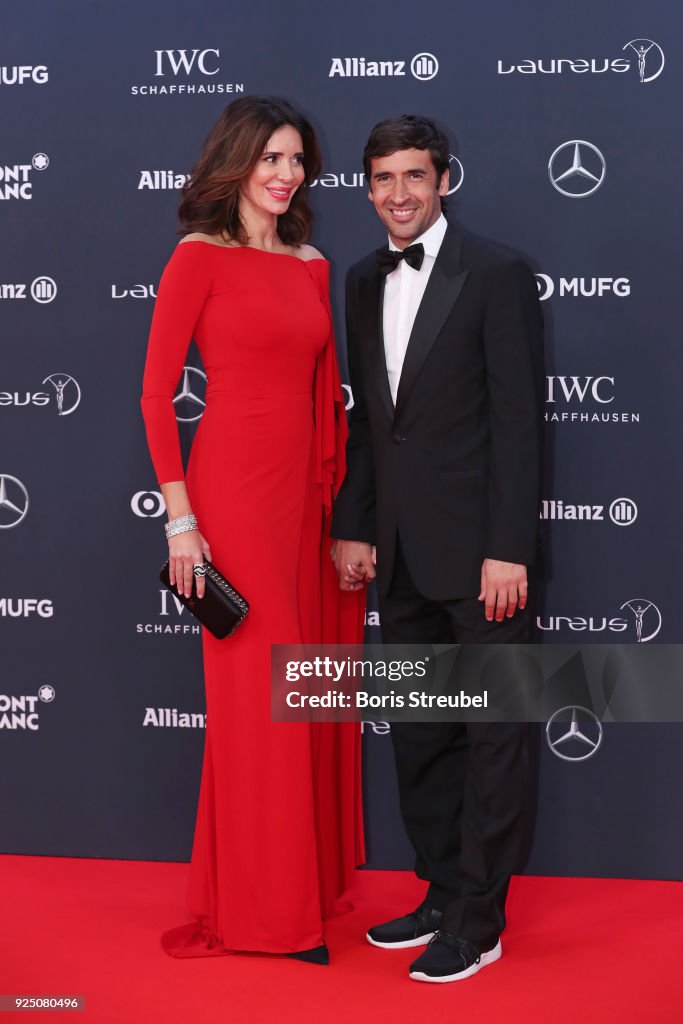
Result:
pixel 454 468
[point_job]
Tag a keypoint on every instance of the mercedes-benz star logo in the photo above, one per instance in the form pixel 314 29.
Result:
pixel 13 501
pixel 579 179
pixel 186 400
pixel 577 730
pixel 641 48
pixel 640 608
pixel 67 402
pixel 458 178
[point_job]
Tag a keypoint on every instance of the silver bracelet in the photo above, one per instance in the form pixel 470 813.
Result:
pixel 181 525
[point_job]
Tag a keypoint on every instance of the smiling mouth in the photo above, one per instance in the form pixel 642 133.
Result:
pixel 403 214
pixel 279 193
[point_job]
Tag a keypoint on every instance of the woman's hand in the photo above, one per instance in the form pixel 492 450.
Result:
pixel 186 550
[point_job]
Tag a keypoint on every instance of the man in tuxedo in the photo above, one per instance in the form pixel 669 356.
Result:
pixel 444 336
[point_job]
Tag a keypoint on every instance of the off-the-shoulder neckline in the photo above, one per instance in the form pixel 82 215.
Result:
pixel 253 248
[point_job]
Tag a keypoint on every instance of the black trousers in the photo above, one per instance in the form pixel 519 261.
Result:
pixel 462 786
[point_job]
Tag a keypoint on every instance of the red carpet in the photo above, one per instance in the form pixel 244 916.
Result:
pixel 590 951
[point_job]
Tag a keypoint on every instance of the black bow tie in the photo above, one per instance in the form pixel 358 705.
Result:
pixel 388 259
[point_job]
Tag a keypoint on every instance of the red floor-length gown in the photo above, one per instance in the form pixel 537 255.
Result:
pixel 278 830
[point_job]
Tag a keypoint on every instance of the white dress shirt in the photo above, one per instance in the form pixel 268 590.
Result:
pixel 403 291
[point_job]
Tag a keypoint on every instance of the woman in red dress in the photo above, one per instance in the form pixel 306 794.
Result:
pixel 278 830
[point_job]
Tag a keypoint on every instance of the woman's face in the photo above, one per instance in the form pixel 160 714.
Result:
pixel 278 173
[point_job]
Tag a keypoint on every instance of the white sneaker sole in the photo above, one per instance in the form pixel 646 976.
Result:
pixel 422 940
pixel 486 959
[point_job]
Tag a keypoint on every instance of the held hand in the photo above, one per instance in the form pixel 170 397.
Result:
pixel 503 588
pixel 354 561
pixel 186 550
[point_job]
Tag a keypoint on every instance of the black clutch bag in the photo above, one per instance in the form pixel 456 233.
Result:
pixel 221 610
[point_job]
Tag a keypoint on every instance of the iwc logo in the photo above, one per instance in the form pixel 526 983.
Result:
pixel 186 73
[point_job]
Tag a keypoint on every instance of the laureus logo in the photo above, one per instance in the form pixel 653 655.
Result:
pixel 646 57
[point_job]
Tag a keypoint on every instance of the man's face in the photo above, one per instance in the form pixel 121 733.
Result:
pixel 405 194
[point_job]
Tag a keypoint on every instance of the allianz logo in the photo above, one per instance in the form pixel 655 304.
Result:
pixel 582 287
pixel 41 289
pixel 171 718
pixel 423 66
pixel 159 180
pixel 23 607
pixel 136 291
pixel 25 73
pixel 622 512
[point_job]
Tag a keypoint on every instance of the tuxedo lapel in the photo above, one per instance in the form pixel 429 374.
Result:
pixel 372 300
pixel 443 288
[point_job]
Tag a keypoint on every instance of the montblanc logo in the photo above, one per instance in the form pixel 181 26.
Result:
pixel 63 388
pixel 199 67
pixel 582 287
pixel 171 718
pixel 134 291
pixel 157 180
pixel 641 622
pixel 644 56
pixel 20 74
pixel 593 391
pixel 16 181
pixel 42 290
pixel 24 712
pixel 621 512
pixel 423 66
pixel 25 607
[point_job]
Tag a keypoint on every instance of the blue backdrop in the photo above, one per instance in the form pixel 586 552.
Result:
pixel 564 146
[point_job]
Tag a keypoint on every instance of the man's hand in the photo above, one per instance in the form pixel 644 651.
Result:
pixel 354 561
pixel 503 588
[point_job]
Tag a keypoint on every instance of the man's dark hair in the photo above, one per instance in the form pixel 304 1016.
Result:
pixel 408 131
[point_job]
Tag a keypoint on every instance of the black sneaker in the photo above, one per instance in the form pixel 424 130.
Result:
pixel 414 929
pixel 447 958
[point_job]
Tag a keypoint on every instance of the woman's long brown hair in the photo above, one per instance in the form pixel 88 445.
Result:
pixel 210 199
